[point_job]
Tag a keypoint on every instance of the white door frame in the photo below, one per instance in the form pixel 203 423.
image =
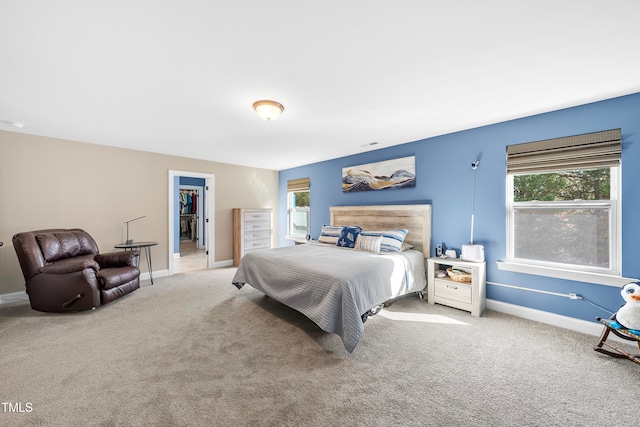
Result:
pixel 209 214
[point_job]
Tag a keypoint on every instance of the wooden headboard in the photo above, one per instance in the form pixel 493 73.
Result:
pixel 415 218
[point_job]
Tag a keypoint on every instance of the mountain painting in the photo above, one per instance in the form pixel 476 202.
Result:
pixel 396 173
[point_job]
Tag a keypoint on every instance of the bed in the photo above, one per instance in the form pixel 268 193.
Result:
pixel 337 287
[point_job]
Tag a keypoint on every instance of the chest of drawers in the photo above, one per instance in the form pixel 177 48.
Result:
pixel 251 230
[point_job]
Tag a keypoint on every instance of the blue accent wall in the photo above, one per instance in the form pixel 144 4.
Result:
pixel 444 178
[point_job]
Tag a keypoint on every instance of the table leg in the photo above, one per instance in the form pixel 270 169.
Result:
pixel 148 253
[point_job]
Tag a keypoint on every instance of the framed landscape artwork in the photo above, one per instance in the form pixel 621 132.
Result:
pixel 395 173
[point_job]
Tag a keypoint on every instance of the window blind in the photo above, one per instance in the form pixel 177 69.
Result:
pixel 300 184
pixel 586 151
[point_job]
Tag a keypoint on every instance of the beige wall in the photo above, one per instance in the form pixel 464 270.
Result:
pixel 54 183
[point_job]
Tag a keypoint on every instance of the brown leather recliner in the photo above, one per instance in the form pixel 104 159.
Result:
pixel 64 270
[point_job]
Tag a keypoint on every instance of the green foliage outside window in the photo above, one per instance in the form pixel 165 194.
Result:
pixel 580 234
pixel 301 199
pixel 567 185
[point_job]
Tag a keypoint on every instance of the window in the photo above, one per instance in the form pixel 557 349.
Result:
pixel 298 209
pixel 563 201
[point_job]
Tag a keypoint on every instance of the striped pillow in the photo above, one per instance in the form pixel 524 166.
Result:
pixel 369 243
pixel 391 239
pixel 330 234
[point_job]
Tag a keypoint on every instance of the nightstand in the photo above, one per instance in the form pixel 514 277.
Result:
pixel 465 296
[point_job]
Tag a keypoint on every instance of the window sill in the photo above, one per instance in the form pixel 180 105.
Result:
pixel 297 239
pixel 559 273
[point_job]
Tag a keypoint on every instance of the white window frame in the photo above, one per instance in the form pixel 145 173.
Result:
pixel 291 209
pixel 611 276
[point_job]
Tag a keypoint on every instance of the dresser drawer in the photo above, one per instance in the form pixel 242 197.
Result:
pixel 257 244
pixel 257 227
pixel 456 291
pixel 255 236
pixel 257 216
pixel 264 244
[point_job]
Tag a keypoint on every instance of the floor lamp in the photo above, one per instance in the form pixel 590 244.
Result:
pixel 473 252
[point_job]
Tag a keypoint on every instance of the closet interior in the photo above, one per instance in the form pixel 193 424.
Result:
pixel 189 215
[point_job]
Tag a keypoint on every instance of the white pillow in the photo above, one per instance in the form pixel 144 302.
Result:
pixel 391 239
pixel 368 243
pixel 406 246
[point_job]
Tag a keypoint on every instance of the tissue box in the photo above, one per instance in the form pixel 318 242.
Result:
pixel 474 253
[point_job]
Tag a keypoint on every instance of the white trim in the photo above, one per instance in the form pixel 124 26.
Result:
pixel 297 239
pixel 600 276
pixel 22 296
pixel 222 264
pixel 199 215
pixel 559 273
pixel 209 214
pixel 557 294
pixel 156 274
pixel 290 211
pixel 14 297
pixel 570 323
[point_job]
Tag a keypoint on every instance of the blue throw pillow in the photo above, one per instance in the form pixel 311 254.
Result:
pixel 348 236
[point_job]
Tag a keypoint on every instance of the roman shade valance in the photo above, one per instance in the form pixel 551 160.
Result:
pixel 300 184
pixel 586 151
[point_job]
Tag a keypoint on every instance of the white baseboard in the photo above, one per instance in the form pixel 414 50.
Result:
pixel 165 273
pixel 221 264
pixel 14 297
pixel 578 325
pixel 22 296
pixel 156 274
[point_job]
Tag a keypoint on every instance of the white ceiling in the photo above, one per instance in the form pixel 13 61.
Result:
pixel 179 77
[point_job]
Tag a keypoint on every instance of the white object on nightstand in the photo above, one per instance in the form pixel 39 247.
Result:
pixel 473 253
pixel 465 296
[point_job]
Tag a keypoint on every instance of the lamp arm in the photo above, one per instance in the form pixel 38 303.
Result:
pixel 128 242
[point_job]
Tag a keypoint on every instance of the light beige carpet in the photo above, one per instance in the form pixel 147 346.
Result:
pixel 192 350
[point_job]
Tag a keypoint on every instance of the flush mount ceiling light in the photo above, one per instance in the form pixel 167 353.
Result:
pixel 268 110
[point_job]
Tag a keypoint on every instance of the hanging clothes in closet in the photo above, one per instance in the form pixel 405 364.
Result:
pixel 188 214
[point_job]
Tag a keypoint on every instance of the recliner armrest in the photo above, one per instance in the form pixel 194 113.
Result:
pixel 117 259
pixel 69 266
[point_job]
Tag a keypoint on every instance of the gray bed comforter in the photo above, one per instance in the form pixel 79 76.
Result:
pixel 330 285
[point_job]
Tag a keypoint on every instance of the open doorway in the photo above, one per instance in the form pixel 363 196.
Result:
pixel 191 253
pixel 191 221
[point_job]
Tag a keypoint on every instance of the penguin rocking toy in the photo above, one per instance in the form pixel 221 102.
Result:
pixel 629 314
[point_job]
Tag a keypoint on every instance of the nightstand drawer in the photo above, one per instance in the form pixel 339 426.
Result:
pixel 453 290
pixel 464 296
